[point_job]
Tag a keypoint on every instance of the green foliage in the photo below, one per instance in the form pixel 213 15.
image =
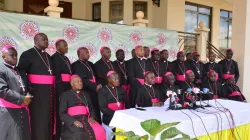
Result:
pixel 149 124
pixel 154 131
pixel 126 134
pixel 154 127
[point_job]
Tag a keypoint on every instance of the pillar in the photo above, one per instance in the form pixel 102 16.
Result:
pixel 241 43
pixel 105 8
pixel 128 12
pixel 52 10
pixel 140 21
pixel 202 41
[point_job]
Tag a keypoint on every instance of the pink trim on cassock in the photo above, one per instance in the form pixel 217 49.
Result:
pixel 66 77
pixel 6 104
pixel 180 77
pixel 41 79
pixel 114 106
pixel 97 128
pixel 158 81
pixel 236 93
pixel 226 76
pixel 140 80
pixel 155 100
pixel 92 80
pixel 127 89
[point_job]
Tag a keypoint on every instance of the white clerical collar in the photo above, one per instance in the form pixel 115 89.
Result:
pixel 145 58
pixel 120 62
pixel 141 58
pixel 9 65
pixel 148 85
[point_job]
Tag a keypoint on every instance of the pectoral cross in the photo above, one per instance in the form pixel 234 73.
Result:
pixel 22 86
pixel 228 72
pixel 50 71
pixel 126 77
pixel 118 104
pixel 199 72
pixel 158 78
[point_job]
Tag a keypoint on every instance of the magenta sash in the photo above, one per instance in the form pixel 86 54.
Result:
pixel 92 80
pixel 225 76
pixel 141 81
pixel 66 77
pixel 97 128
pixel 126 88
pixel 41 79
pixel 155 100
pixel 78 110
pixel 215 97
pixel 115 107
pixel 158 80
pixel 6 104
pixel 236 93
pixel 180 77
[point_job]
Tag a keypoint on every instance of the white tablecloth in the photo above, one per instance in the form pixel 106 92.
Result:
pixel 129 120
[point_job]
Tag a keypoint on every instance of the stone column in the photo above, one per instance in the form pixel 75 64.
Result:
pixel 241 43
pixel 202 40
pixel 140 21
pixel 128 12
pixel 52 10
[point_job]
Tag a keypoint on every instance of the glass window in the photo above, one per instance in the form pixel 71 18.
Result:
pixel 225 34
pixel 96 14
pixel 116 11
pixel 1 4
pixel 194 14
pixel 140 6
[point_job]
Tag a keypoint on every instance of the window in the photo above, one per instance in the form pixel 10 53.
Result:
pixel 1 4
pixel 140 6
pixel 194 14
pixel 96 13
pixel 225 35
pixel 116 12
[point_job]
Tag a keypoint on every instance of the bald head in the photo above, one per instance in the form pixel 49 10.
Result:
pixel 106 53
pixel 41 41
pixel 10 56
pixel 62 47
pixel 83 54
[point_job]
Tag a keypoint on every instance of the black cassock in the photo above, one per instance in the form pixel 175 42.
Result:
pixel 102 67
pixel 122 70
pixel 214 86
pixel 62 71
pixel 198 69
pixel 229 67
pixel 85 70
pixel 232 92
pixel 14 119
pixel 158 69
pixel 164 88
pixel 38 66
pixel 213 66
pixel 179 70
pixel 136 69
pixel 77 107
pixel 166 66
pixel 147 95
pixel 111 100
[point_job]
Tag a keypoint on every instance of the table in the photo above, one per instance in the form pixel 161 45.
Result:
pixel 129 120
